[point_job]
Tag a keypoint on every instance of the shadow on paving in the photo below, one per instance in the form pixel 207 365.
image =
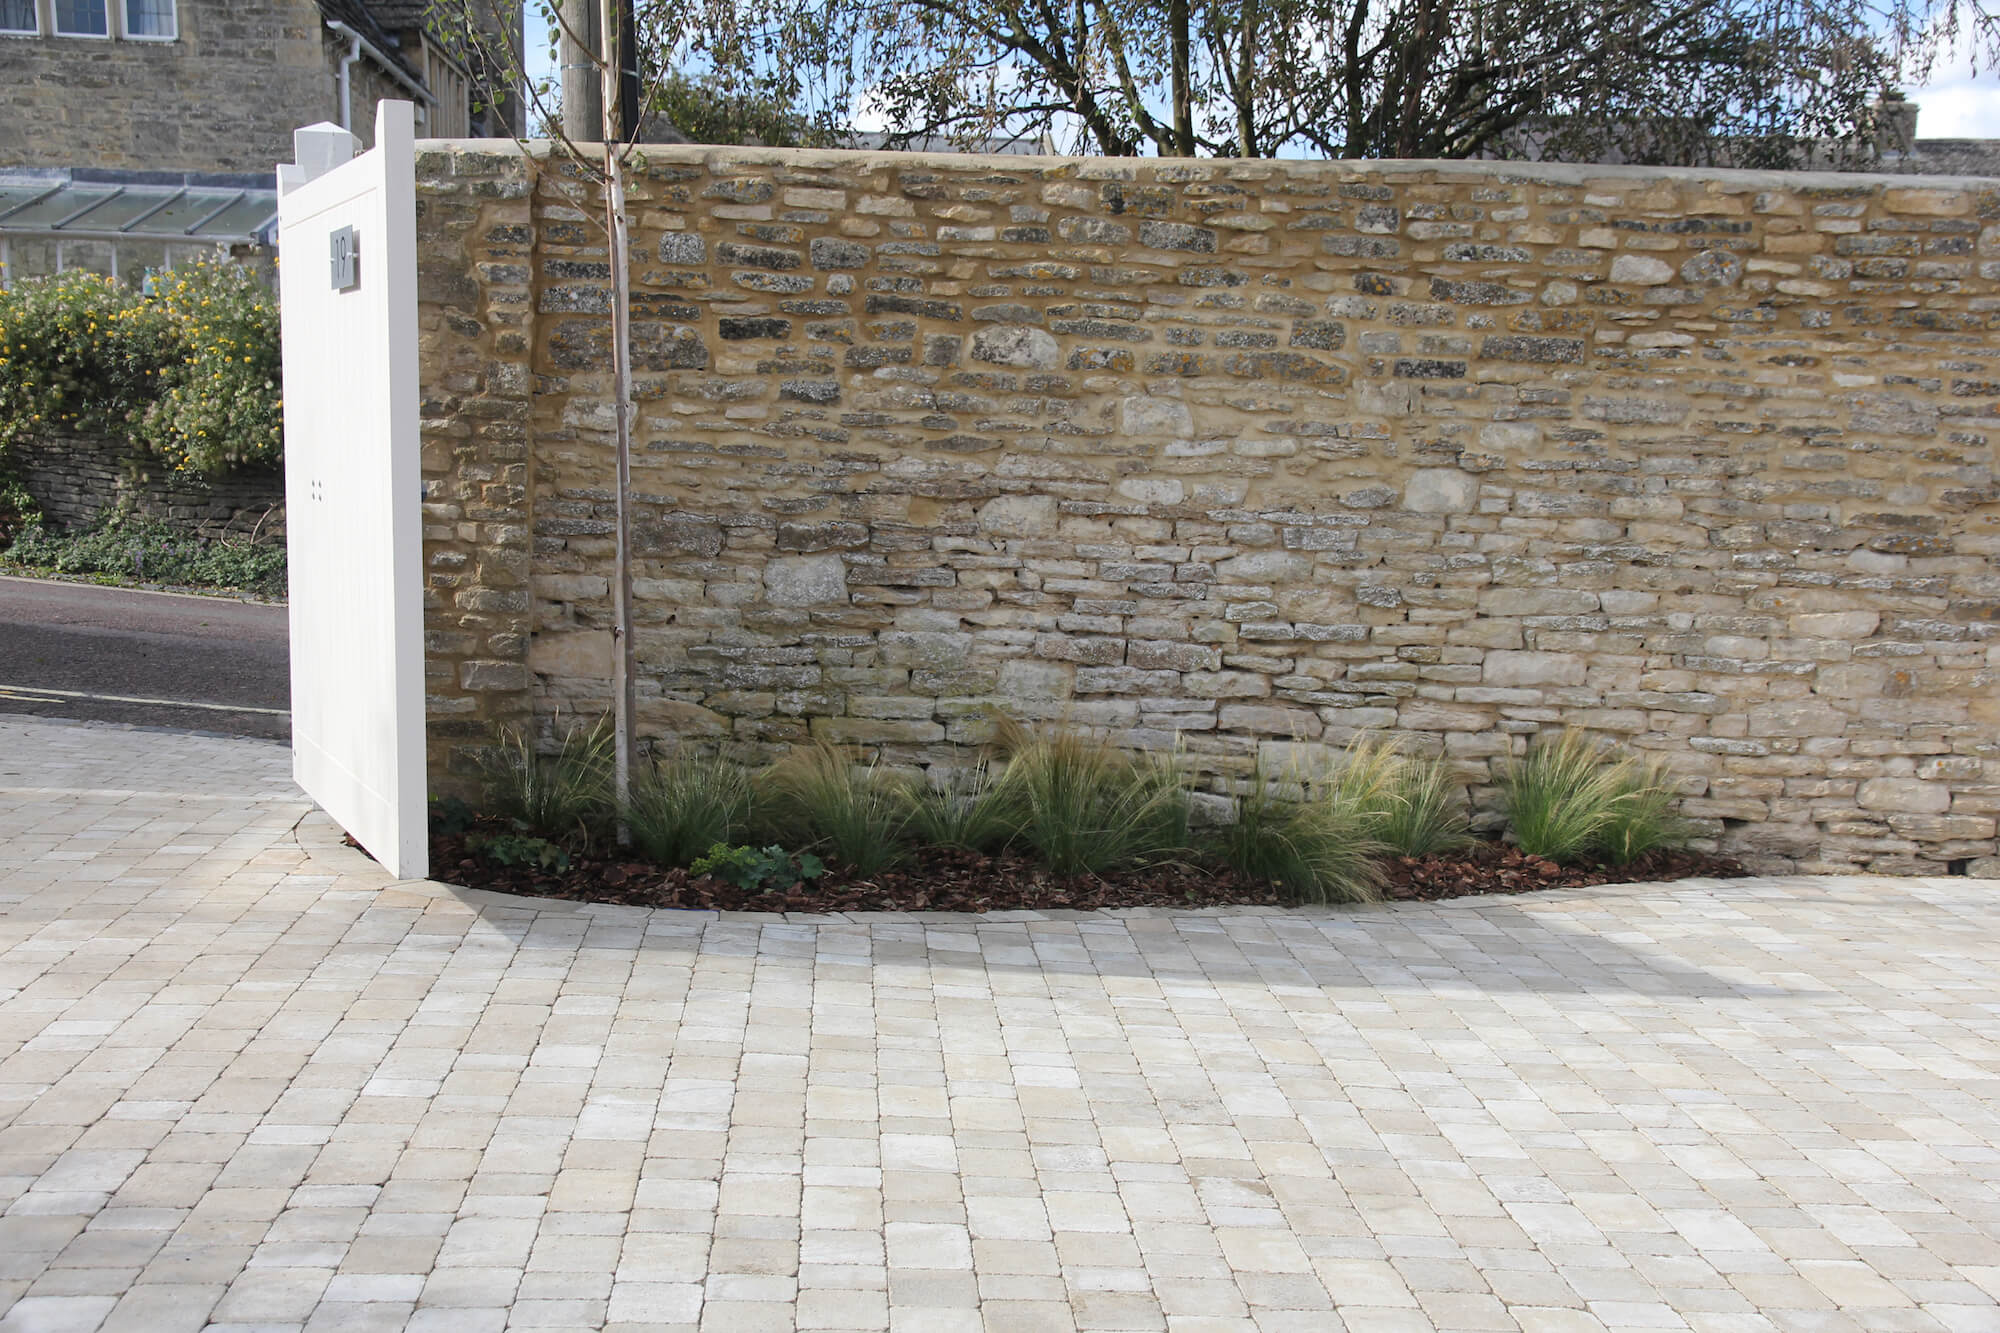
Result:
pixel 1488 946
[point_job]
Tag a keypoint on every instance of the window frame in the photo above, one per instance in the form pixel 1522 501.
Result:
pixel 56 28
pixel 34 19
pixel 173 33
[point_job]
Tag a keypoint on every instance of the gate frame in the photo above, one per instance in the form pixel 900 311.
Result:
pixel 353 462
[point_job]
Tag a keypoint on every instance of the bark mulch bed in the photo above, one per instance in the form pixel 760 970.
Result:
pixel 945 880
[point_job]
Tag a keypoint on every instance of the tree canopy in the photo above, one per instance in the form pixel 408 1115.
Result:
pixel 1747 82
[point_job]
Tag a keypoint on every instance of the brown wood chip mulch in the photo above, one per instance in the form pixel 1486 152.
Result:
pixel 945 880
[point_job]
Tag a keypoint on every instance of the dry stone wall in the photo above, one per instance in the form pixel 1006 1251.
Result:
pixel 78 481
pixel 1243 457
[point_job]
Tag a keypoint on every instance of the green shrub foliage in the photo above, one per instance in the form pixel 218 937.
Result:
pixel 192 371
pixel 220 405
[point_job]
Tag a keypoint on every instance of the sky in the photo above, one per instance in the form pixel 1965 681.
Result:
pixel 1956 106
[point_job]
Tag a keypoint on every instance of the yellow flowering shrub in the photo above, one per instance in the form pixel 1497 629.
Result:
pixel 78 350
pixel 192 371
pixel 220 401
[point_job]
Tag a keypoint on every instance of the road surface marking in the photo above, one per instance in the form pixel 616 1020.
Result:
pixel 36 694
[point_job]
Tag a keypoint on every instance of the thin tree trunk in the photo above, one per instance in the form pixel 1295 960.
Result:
pixel 624 698
pixel 1246 84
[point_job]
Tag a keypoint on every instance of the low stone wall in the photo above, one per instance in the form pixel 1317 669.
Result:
pixel 1247 458
pixel 77 480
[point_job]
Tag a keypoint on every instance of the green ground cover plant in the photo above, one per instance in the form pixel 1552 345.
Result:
pixel 135 551
pixel 758 867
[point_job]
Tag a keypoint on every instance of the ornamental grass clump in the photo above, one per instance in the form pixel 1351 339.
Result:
pixel 969 809
pixel 1570 798
pixel 1083 807
pixel 1311 846
pixel 684 805
pixel 824 795
pixel 563 793
pixel 1644 818
pixel 1411 805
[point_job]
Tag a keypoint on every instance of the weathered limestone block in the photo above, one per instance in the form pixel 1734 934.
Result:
pixel 1641 270
pixel 1907 795
pixel 577 654
pixel 1017 345
pixel 1438 490
pixel 1507 668
pixel 1018 515
pixel 806 580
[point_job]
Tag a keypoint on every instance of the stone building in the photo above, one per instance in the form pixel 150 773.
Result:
pixel 219 85
pixel 122 122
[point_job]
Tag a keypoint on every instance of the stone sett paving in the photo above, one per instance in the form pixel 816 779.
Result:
pixel 248 1084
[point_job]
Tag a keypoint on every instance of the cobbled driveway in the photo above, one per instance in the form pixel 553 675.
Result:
pixel 246 1083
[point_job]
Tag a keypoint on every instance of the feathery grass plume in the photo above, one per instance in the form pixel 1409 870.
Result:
pixel 968 809
pixel 1316 850
pixel 855 811
pixel 1562 795
pixel 1643 818
pixel 1413 803
pixel 686 804
pixel 1362 783
pixel 1084 807
pixel 563 793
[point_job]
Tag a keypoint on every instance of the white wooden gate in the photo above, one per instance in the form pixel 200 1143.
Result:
pixel 348 284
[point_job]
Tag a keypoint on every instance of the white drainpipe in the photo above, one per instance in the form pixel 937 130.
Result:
pixel 347 76
pixel 358 46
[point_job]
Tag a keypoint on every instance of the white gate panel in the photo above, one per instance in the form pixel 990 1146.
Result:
pixel 353 483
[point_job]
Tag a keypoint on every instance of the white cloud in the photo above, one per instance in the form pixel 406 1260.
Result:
pixel 1960 110
pixel 1954 104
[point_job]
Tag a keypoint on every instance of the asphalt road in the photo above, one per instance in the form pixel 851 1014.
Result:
pixel 152 659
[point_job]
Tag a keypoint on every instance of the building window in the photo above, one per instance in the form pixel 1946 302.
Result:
pixel 19 16
pixel 82 18
pixel 150 18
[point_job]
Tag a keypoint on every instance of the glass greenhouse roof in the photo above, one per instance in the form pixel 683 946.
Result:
pixel 93 204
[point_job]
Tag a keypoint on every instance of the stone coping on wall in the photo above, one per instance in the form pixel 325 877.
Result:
pixel 1246 458
pixel 1120 168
